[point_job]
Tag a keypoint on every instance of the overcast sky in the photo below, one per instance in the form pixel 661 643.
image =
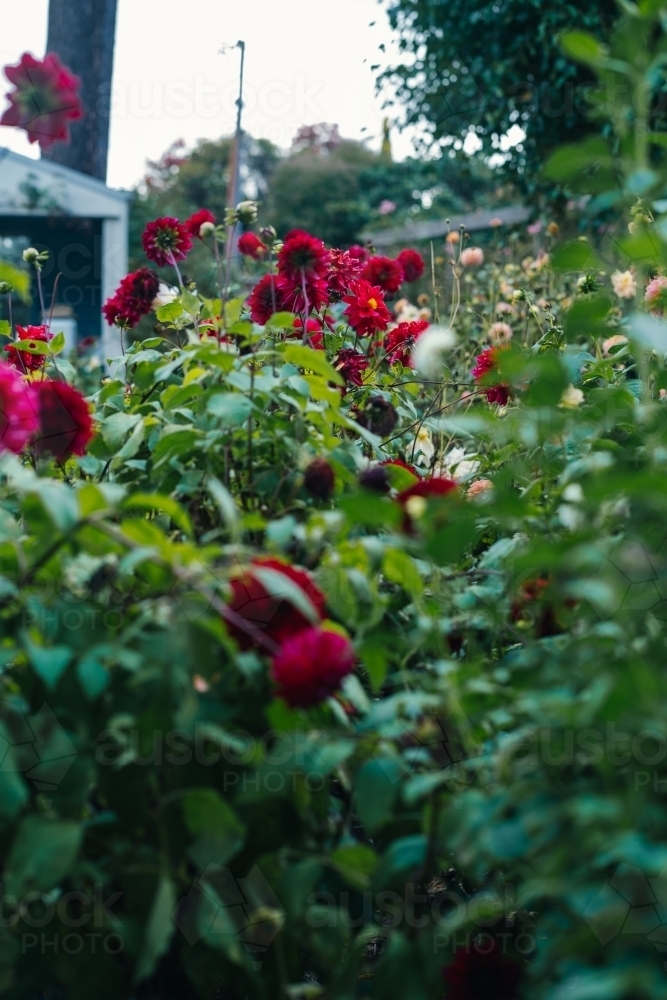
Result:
pixel 307 61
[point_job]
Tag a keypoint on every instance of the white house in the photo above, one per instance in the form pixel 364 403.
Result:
pixel 84 225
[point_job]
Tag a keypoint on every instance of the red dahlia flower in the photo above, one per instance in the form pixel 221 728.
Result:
pixel 18 419
pixel 343 270
pixel 487 363
pixel 412 264
pixel 366 310
pixel 303 265
pixel 165 241
pixel 319 479
pixel 22 360
pixel 385 272
pixel 399 342
pixel 265 299
pixel 133 298
pixel 351 364
pixel 65 424
pixel 480 974
pixel 196 221
pixel 251 246
pixel 426 489
pixel 359 253
pixel 45 99
pixel 272 615
pixel 311 665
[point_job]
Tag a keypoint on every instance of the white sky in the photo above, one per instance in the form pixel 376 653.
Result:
pixel 307 61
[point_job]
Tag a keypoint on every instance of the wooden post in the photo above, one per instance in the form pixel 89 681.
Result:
pixel 81 33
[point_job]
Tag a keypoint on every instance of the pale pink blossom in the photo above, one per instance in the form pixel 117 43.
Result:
pixel 656 291
pixel 500 333
pixel 624 284
pixel 614 341
pixel 477 488
pixel 472 257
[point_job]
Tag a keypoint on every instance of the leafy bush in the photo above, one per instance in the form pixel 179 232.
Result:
pixel 332 664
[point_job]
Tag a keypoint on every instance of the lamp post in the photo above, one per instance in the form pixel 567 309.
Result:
pixel 233 193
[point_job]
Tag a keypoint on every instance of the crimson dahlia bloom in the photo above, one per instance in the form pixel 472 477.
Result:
pixel 21 360
pixel 196 221
pixel 251 246
pixel 315 332
pixel 65 423
pixel 303 265
pixel 18 417
pixel 399 342
pixel 343 270
pixel 265 299
pixel 385 272
pixel 133 298
pixel 426 489
pixel 166 240
pixel 412 264
pixel 479 975
pixel 351 364
pixel 319 479
pixel 366 309
pixel 359 253
pixel 275 617
pixel 311 665
pixel 44 100
pixel 487 363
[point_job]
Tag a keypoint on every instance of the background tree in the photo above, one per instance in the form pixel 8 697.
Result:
pixel 82 33
pixel 492 64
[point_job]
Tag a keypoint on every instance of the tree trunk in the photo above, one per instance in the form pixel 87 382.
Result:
pixel 81 33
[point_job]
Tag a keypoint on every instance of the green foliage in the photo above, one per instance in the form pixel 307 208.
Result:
pixel 490 66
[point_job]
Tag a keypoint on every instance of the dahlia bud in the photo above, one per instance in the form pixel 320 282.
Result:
pixel 206 229
pixel 268 234
pixel 30 255
pixel 277 246
pixel 587 283
pixel 376 479
pixel 246 212
pixel 379 417
pixel 553 229
pixel 319 479
pixel 519 295
pixel 5 288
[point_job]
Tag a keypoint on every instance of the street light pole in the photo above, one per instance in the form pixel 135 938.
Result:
pixel 233 194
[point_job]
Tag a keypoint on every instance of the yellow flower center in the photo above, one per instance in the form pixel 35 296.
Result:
pixel 373 303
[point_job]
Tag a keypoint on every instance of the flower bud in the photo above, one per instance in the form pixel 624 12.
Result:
pixel 246 212
pixel 5 288
pixel 206 229
pixel 268 234
pixel 376 479
pixel 319 479
pixel 519 295
pixel 379 417
pixel 31 255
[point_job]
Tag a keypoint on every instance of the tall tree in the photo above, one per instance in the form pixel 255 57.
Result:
pixel 490 64
pixel 82 33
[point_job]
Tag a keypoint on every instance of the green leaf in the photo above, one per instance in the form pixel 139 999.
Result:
pixel 92 674
pixel 42 853
pixel 217 829
pixel 13 794
pixel 574 256
pixel 58 343
pixel 167 505
pixel 49 662
pixel 356 863
pixel 159 929
pixel 281 321
pixel 19 280
pixel 401 569
pixel 280 586
pixel 224 501
pixel 375 791
pixel 230 408
pixel 5 328
pixel 116 428
pixel 312 360
pixel 169 312
pixel 582 47
pixel 648 332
